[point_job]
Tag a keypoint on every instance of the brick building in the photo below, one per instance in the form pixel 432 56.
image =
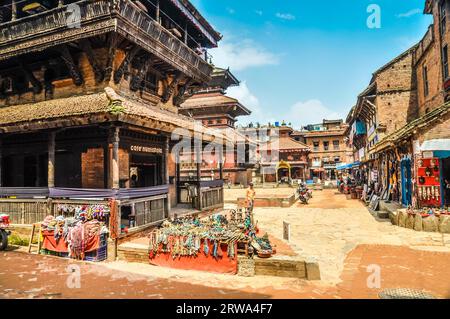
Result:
pixel 400 126
pixel 327 145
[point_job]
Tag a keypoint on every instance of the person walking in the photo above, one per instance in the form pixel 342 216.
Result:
pixel 250 200
pixel 447 192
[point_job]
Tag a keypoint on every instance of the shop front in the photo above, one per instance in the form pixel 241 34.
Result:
pixel 433 173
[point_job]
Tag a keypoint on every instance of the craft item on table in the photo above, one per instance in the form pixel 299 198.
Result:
pixel 432 163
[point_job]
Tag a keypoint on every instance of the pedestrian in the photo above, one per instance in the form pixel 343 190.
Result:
pixel 447 192
pixel 250 200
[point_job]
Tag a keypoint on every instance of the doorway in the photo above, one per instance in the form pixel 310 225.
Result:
pixel 406 182
pixel 446 180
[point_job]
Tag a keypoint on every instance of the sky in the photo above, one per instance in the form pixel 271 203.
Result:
pixel 304 61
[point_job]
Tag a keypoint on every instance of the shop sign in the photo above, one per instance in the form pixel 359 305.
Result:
pixel 145 149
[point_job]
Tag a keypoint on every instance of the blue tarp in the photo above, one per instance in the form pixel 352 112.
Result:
pixel 341 167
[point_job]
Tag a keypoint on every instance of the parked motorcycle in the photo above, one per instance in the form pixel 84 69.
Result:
pixel 4 232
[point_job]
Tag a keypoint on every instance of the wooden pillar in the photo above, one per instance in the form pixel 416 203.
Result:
pixel 167 160
pixel 199 172
pixel 221 161
pixel 51 159
pixel 106 164
pixel 177 176
pixel 185 34
pixel 166 179
pixel 157 17
pixel 115 158
pixel 1 162
pixel 13 10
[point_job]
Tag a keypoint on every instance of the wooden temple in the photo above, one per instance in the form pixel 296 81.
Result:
pixel 89 98
pixel 216 110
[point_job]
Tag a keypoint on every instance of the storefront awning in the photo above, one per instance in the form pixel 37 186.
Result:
pixel 341 167
pixel 436 145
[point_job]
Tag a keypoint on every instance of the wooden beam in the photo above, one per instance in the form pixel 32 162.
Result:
pixel 181 95
pixel 71 65
pixel 123 69
pixel 51 159
pixel 157 16
pixel 138 78
pixel 13 10
pixel 1 162
pixel 112 47
pixel 86 46
pixel 169 88
pixel 37 85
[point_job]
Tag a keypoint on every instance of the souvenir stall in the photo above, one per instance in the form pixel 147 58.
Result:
pixel 211 244
pixel 429 182
pixel 83 236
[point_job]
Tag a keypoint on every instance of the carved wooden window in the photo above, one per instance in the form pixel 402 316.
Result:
pixel 425 80
pixel 151 83
pixel 443 18
pixel 445 62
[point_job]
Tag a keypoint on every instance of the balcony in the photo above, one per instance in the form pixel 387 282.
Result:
pixel 49 28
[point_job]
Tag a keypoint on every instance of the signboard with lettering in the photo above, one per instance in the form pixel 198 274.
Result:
pixel 145 149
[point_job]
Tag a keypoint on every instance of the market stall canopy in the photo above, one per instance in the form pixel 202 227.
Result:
pixel 341 167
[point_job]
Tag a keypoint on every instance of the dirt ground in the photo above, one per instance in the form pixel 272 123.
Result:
pixel 341 235
pixel 231 195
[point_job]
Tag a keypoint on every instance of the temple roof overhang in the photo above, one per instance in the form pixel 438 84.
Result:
pixel 97 108
pixel 214 103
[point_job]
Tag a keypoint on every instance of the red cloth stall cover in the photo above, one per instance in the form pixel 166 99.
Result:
pixel 202 262
pixel 61 246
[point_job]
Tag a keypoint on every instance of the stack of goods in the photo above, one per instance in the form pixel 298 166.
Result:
pixel 75 236
pixel 429 182
pixel 189 237
pixel 426 212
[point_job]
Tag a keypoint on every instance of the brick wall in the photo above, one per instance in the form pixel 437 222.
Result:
pixel 439 130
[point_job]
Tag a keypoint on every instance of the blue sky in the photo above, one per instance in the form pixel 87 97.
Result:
pixel 302 61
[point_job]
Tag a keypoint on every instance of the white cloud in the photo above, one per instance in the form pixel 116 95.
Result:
pixel 242 55
pixel 285 16
pixel 243 94
pixel 309 112
pixel 409 13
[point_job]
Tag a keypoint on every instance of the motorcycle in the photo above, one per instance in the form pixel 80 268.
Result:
pixel 4 232
pixel 303 194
